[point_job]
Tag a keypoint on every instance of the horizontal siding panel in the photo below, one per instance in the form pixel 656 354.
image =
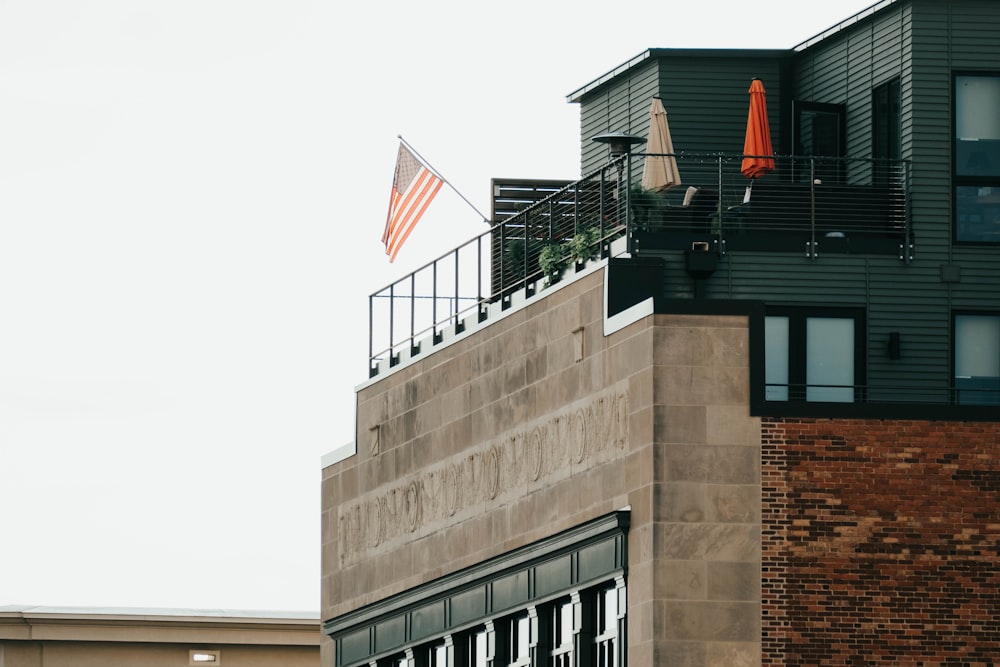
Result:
pixel 923 42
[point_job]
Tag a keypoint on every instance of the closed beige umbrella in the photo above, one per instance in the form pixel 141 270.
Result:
pixel 659 172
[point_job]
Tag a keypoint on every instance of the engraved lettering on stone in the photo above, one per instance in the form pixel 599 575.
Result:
pixel 549 449
pixel 373 522
pixel 375 433
pixel 579 436
pixel 534 452
pixel 452 488
pixel 491 470
pixel 412 505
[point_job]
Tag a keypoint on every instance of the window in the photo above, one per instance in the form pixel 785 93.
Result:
pixel 813 355
pixel 562 633
pixel 439 655
pixel 820 135
pixel 401 660
pixel 977 158
pixel 517 640
pixel 569 615
pixel 607 628
pixel 477 649
pixel 977 359
pixel 886 131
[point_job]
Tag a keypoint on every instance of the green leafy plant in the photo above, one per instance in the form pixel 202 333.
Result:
pixel 553 259
pixel 583 246
pixel 647 207
pixel 557 255
pixel 515 256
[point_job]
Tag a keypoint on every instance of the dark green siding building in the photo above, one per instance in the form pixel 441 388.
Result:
pixel 907 93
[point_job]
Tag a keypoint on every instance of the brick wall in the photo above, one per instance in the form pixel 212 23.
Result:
pixel 880 542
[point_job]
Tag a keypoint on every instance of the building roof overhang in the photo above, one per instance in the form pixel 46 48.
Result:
pixel 653 53
pixel 664 54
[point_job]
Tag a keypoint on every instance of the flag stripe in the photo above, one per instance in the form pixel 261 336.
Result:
pixel 404 212
pixel 406 231
pixel 409 208
pixel 413 188
pixel 404 202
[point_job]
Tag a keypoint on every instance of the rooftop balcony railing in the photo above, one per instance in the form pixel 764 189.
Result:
pixel 812 205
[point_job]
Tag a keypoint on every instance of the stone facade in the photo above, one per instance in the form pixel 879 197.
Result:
pixel 540 422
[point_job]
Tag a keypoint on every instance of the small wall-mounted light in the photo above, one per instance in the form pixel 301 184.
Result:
pixel 894 349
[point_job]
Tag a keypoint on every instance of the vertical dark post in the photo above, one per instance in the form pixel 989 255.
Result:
pixel 811 253
pixel 628 188
pixel 392 323
pixel 721 237
pixel 907 254
pixel 458 303
pixel 371 330
pixel 413 310
pixel 434 301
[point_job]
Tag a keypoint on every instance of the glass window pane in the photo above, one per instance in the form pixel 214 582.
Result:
pixel 977 359
pixel 608 621
pixel 564 624
pixel 522 638
pixel 776 358
pixel 977 102
pixel 977 211
pixel 977 125
pixel 977 346
pixel 830 359
pixel 479 649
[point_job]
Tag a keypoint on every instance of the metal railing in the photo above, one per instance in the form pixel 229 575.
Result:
pixel 440 297
pixel 822 200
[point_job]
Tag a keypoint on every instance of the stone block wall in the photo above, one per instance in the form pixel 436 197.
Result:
pixel 540 422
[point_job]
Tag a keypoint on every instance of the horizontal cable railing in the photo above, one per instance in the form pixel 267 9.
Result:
pixel 822 200
pixel 439 298
pixel 818 200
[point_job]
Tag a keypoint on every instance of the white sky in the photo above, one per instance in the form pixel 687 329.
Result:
pixel 192 195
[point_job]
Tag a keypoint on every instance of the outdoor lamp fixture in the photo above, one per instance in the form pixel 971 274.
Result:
pixel 619 143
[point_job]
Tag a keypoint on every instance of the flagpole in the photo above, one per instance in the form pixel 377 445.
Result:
pixel 443 179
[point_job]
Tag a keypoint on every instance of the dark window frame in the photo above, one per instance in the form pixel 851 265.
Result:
pixel 886 129
pixel 971 394
pixel 798 316
pixel 831 170
pixel 968 180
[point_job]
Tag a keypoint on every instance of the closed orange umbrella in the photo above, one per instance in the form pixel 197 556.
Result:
pixel 757 151
pixel 659 171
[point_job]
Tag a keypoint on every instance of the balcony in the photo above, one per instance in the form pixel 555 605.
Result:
pixel 809 206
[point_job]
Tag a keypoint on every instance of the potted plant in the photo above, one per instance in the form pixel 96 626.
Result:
pixel 552 260
pixel 583 246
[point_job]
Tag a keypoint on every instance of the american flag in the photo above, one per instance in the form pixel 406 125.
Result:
pixel 413 188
